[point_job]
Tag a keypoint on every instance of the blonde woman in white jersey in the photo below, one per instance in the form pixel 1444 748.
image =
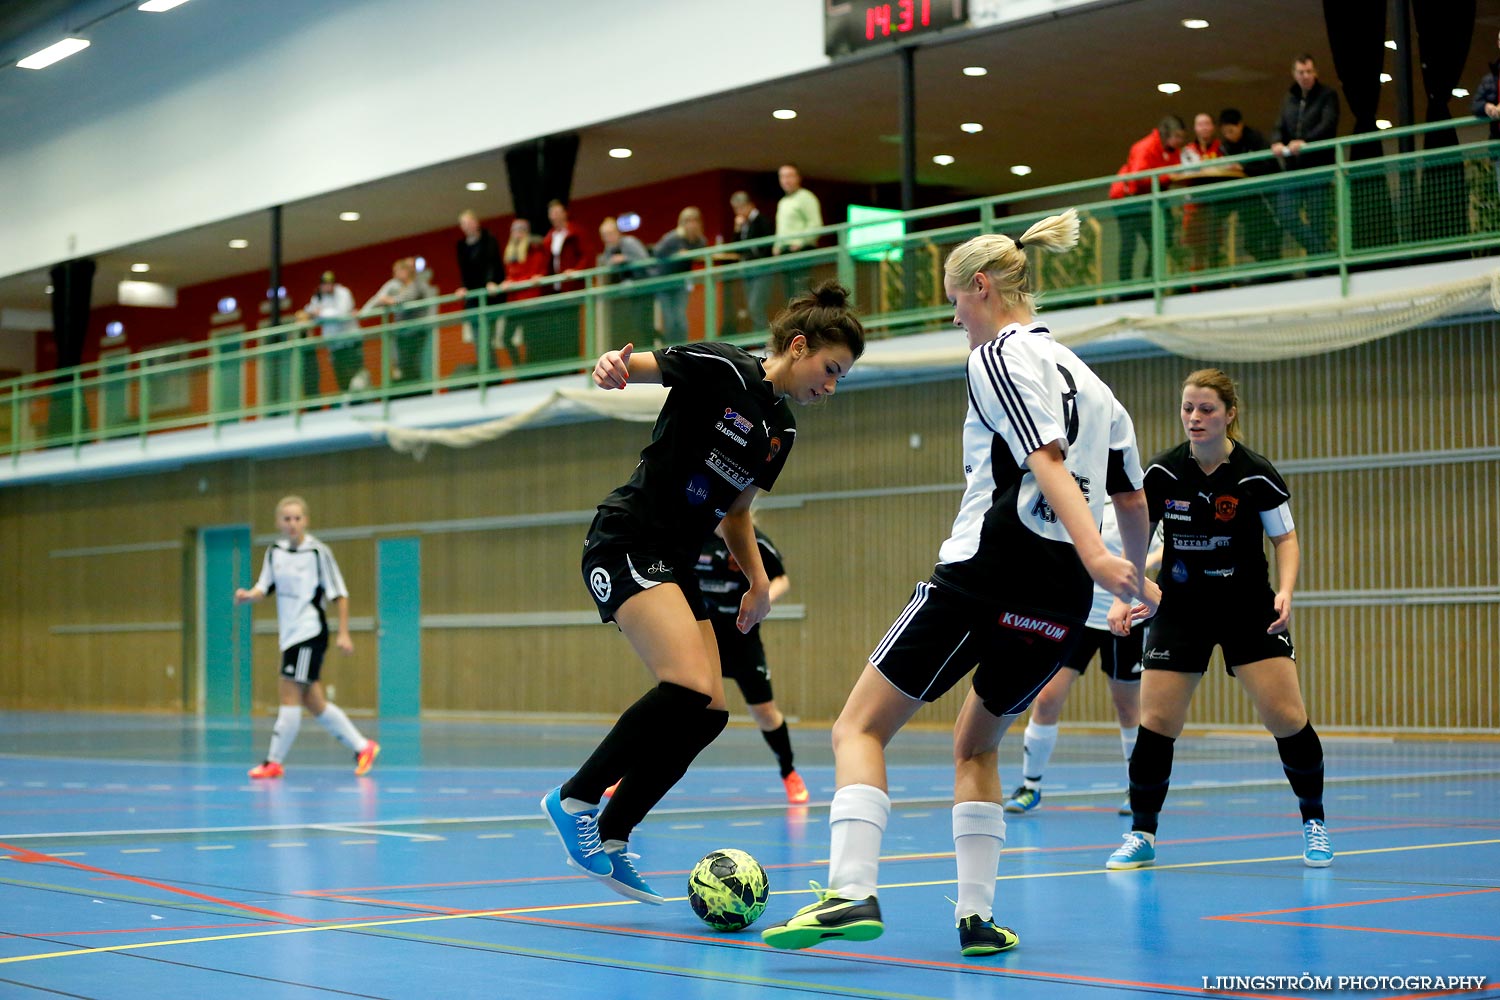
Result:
pixel 1044 441
pixel 305 577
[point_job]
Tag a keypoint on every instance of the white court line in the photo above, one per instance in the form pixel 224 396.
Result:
pixel 200 847
pixel 140 850
pixel 364 830
pixel 376 826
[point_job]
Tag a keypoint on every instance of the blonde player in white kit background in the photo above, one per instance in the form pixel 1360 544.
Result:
pixel 305 577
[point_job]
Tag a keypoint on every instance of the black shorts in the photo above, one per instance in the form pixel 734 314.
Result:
pixel 620 561
pixel 1119 656
pixel 742 658
pixel 941 636
pixel 1183 639
pixel 303 662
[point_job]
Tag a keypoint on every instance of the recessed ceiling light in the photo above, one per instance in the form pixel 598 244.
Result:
pixel 622 152
pixel 972 127
pixel 140 268
pixel 942 159
pixel 238 244
pixel 975 71
pixel 52 53
pixel 785 114
pixel 477 186
pixel 1382 123
pixel 1390 43
pixel 348 216
pixel 228 304
pixel 1460 92
pixel 157 6
pixel 1168 88
pixel 48 290
pixel 1385 78
pixel 1020 170
pixel 1195 23
pixel 114 329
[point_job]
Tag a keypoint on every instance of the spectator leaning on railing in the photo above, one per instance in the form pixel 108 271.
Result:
pixel 332 308
pixel 673 299
pixel 627 315
pixel 480 268
pixel 1487 106
pixel 1157 148
pixel 1261 234
pixel 1309 113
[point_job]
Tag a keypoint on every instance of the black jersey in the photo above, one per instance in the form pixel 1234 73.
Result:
pixel 721 430
pixel 723 582
pixel 1211 525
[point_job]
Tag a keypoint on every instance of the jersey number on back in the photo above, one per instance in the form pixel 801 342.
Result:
pixel 1070 405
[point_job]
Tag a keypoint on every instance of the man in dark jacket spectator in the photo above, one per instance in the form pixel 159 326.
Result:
pixel 1259 228
pixel 1309 113
pixel 480 268
pixel 1487 106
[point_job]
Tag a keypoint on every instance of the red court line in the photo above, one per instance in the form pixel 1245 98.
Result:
pixel 1369 930
pixel 1357 902
pixel 887 959
pixel 29 856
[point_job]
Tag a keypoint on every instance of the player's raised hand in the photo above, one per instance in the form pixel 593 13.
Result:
pixel 613 369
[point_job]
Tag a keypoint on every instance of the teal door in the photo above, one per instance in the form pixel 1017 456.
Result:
pixel 224 563
pixel 398 625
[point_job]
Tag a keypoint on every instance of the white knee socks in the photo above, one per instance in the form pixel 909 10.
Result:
pixel 856 820
pixel 978 837
pixel 1039 743
pixel 336 722
pixel 284 733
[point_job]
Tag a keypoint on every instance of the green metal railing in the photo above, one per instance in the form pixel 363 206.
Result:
pixel 1188 232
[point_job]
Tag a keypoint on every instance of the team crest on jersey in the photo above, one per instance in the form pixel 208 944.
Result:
pixel 1036 626
pixel 600 584
pixel 1224 508
pixel 775 448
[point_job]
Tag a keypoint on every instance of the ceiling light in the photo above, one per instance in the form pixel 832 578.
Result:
pixel 972 127
pixel 1168 88
pixel 622 152
pixel 785 114
pixel 477 186
pixel 942 159
pixel 140 268
pixel 1020 170
pixel 1382 123
pixel 1385 78
pixel 348 216
pixel 1390 43
pixel 975 71
pixel 1195 23
pixel 238 244
pixel 1460 92
pixel 48 290
pixel 157 6
pixel 52 53
pixel 114 329
pixel 228 304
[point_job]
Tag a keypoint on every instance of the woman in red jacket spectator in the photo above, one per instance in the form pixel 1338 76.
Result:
pixel 1200 221
pixel 554 331
pixel 524 260
pixel 1158 148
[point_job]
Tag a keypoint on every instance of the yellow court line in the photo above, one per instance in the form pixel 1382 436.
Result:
pixel 563 907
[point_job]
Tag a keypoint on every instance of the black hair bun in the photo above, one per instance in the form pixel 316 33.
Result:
pixel 831 295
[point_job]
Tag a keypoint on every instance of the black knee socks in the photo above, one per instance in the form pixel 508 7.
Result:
pixel 1302 760
pixel 1150 773
pixel 780 741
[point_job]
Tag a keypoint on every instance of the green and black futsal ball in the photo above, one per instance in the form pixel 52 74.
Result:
pixel 728 890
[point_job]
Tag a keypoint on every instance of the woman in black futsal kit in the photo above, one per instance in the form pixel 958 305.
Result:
pixel 1214 498
pixel 723 435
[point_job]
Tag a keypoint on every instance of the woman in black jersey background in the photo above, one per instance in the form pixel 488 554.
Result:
pixel 723 436
pixel 742 656
pixel 1215 498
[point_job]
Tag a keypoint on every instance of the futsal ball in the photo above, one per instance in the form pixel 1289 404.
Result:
pixel 728 890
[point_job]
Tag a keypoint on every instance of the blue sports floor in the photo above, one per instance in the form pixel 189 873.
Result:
pixel 140 862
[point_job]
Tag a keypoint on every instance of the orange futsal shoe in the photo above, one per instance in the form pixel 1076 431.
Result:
pixel 796 791
pixel 365 759
pixel 270 769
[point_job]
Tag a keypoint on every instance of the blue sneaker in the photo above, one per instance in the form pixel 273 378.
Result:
pixel 1023 799
pixel 1136 852
pixel 624 879
pixel 1317 849
pixel 579 833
